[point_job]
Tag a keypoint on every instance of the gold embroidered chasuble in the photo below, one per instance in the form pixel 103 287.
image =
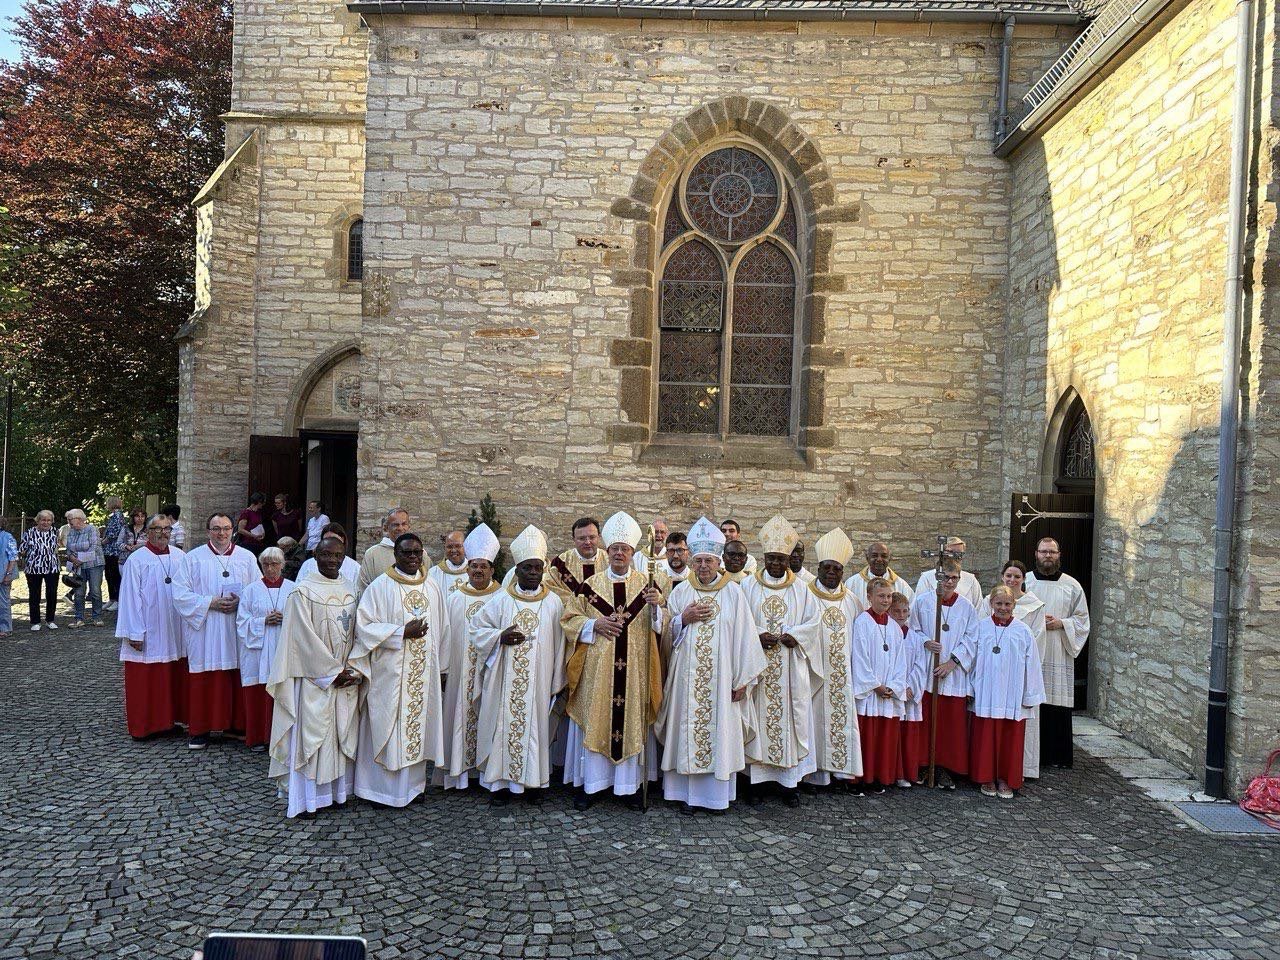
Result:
pixel 784 695
pixel 567 576
pixel 702 730
pixel 401 700
pixel 447 580
pixel 461 695
pixel 519 681
pixel 615 686
pixel 826 628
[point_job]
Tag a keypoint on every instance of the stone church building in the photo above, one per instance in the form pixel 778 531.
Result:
pixel 740 257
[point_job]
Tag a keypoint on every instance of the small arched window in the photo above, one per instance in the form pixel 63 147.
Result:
pixel 355 250
pixel 727 299
pixel 1076 465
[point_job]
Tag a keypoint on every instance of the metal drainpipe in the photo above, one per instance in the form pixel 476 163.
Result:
pixel 1002 110
pixel 1215 752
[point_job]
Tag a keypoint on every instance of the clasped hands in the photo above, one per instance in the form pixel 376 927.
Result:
pixel 771 640
pixel 225 604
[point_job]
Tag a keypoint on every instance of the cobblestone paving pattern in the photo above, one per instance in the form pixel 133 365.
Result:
pixel 116 848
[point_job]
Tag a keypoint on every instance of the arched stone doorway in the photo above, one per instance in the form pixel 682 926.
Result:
pixel 327 422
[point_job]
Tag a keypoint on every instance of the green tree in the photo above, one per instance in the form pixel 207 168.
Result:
pixel 488 515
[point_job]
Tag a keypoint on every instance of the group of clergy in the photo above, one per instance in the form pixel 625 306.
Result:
pixel 689 662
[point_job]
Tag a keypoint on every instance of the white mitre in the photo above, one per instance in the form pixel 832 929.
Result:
pixel 834 545
pixel 530 545
pixel 705 539
pixel 778 536
pixel 481 544
pixel 620 528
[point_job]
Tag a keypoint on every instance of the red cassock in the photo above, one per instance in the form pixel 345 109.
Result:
pixel 881 749
pixel 214 702
pixel 953 732
pixel 258 707
pixel 995 750
pixel 154 696
pixel 915 748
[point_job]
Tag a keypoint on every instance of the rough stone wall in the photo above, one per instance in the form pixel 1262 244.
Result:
pixel 298 81
pixel 508 304
pixel 1117 253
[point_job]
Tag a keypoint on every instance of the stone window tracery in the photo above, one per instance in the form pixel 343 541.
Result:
pixel 727 299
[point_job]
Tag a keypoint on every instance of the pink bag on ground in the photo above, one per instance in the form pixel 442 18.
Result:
pixel 1262 796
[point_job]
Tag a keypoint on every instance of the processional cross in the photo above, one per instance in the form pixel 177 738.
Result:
pixel 942 554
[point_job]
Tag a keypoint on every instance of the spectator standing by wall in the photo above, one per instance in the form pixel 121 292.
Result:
pixel 8 570
pixel 133 536
pixel 85 560
pixel 39 552
pixel 111 550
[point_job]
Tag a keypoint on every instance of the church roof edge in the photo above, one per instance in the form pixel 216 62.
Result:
pixel 1032 11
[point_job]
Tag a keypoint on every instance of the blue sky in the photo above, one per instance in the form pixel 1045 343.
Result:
pixel 8 8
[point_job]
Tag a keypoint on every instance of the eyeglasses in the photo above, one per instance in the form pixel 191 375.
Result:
pixel 950 579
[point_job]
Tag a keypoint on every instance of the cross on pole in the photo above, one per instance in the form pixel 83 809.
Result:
pixel 942 554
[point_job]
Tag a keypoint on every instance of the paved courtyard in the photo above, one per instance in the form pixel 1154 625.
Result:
pixel 115 848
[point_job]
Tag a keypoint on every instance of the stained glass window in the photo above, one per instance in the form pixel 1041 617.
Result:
pixel 1077 455
pixel 727 300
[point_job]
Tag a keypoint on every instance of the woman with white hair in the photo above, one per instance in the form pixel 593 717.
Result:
pixel 39 554
pixel 85 560
pixel 258 620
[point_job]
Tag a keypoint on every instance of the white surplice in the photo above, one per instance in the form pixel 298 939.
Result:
pixel 959 621
pixel 258 641
pixel 349 571
pixel 704 733
pixel 520 682
pixel 1030 610
pixel 447 577
pixel 1006 678
pixel 879 660
pixel 782 751
pixel 919 663
pixel 147 611
pixel 401 724
pixel 858 584
pixel 969 587
pixel 315 726
pixel 209 636
pixel 465 666
pixel 1063 598
pixel 827 619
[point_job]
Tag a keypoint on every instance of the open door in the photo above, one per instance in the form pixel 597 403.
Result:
pixel 275 466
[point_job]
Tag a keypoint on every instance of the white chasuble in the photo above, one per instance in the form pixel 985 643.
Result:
pixel 147 612
pixel 857 584
pixel 447 577
pixel 826 625
pixel 513 739
pixel 782 751
pixel 462 695
pixel 401 719
pixel 209 636
pixel 702 730
pixel 315 725
pixel 1063 598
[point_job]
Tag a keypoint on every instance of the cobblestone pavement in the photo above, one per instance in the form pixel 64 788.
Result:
pixel 115 848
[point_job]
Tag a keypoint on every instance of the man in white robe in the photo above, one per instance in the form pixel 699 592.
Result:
pixel 1066 623
pixel 734 562
pixel 714 659
pixel 462 660
pixel 206 591
pixel 733 534
pixel 451 572
pixel 826 625
pixel 350 569
pixel 796 564
pixel 401 630
pixel 379 557
pixel 615 674
pixel 519 639
pixel 150 632
pixel 969 587
pixel 783 750
pixel 879 557
pixel 952 641
pixel 657 550
pixel 315 727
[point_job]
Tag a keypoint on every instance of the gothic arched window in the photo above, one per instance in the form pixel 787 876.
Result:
pixel 1076 465
pixel 355 251
pixel 727 299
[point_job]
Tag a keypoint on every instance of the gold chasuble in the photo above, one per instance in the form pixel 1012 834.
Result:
pixel 567 577
pixel 615 686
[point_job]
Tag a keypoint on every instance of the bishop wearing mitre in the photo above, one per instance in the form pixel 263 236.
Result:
pixel 827 617
pixel 401 626
pixel 715 659
pixel 519 640
pixel 783 751
pixel 615 674
pixel 462 694
pixel 316 695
